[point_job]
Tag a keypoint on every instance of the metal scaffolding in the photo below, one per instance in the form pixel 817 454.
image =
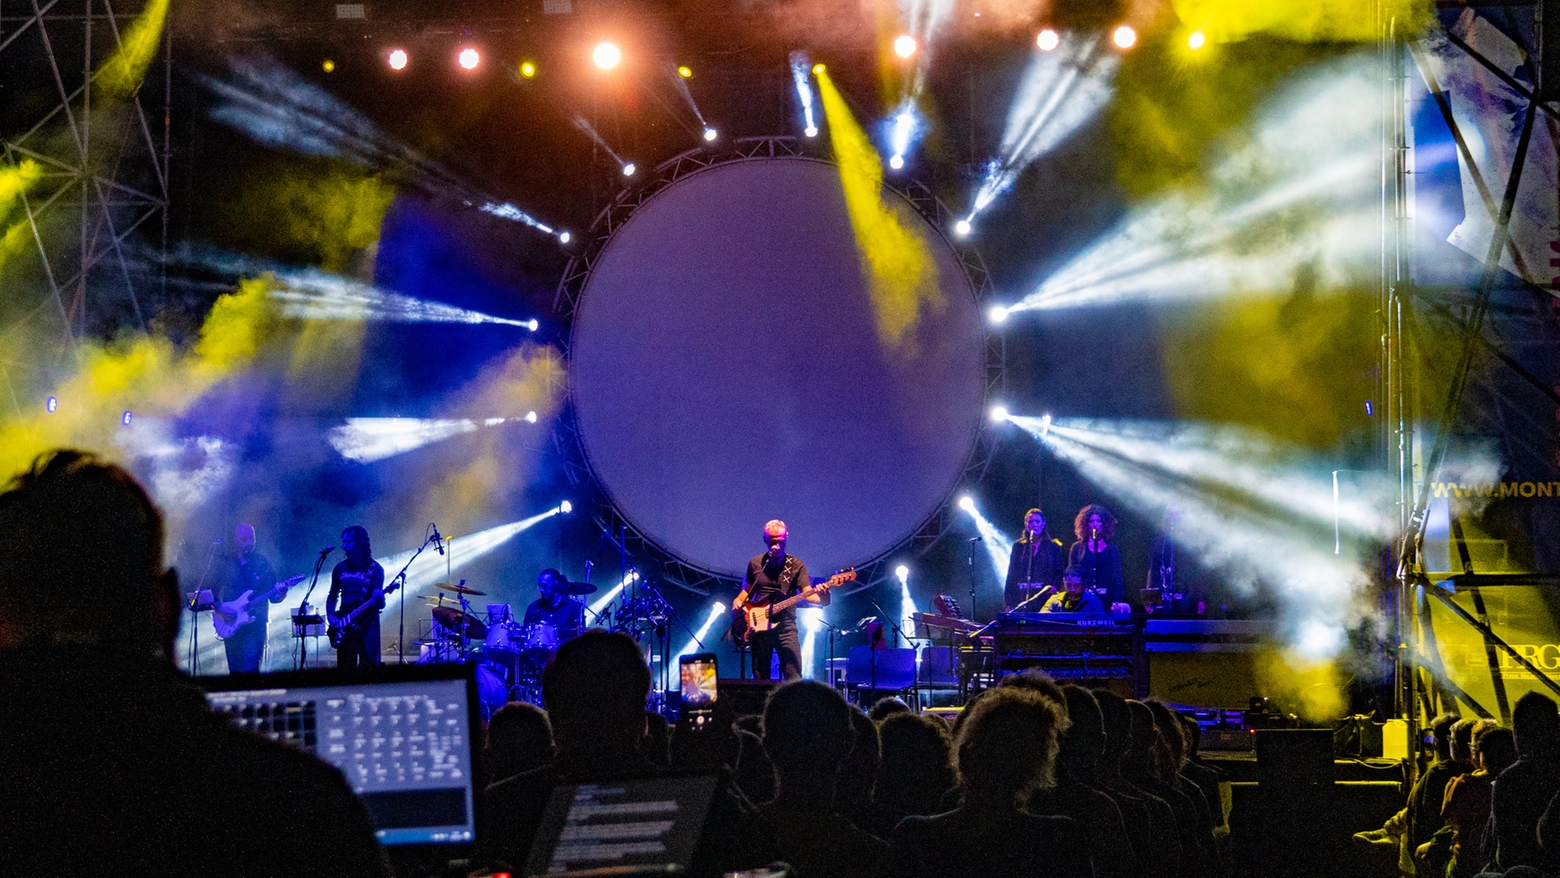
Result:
pixel 95 205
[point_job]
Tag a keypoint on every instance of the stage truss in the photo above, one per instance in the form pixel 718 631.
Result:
pixel 1422 686
pixel 104 180
pixel 567 437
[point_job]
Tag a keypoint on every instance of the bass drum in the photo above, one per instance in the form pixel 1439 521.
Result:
pixel 492 693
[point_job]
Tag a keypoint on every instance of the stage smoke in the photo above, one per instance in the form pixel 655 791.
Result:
pixel 998 547
pixel 1298 199
pixel 1061 90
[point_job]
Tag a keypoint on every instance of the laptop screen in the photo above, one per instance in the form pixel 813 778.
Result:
pixel 634 827
pixel 402 735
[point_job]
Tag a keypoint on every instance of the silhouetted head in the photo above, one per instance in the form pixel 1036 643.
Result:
pixel 917 766
pixel 1036 680
pixel 1084 740
pixel 81 560
pixel 886 707
pixel 1462 739
pixel 1441 734
pixel 1144 739
pixel 807 730
pixel 595 690
pixel 1496 749
pixel 1536 726
pixel 1007 746
pixel 858 773
pixel 519 738
pixel 1118 727
pixel 1172 735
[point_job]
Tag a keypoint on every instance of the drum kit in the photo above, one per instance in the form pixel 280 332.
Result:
pixel 509 656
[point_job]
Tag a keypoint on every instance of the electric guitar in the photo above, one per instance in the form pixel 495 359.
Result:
pixel 341 626
pixel 751 617
pixel 229 616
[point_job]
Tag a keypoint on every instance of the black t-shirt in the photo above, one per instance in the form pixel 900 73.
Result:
pixel 351 587
pixel 248 574
pixel 767 582
pixel 568 617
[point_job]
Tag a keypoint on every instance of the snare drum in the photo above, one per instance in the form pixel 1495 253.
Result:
pixel 492 693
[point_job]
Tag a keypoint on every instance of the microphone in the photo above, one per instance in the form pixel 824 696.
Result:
pixel 327 550
pixel 438 541
pixel 1094 533
pixel 974 539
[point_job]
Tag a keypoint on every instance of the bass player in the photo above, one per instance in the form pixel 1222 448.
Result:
pixel 357 581
pixel 773 576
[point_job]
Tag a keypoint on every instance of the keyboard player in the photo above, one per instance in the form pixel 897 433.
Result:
pixel 1073 598
pixel 1036 563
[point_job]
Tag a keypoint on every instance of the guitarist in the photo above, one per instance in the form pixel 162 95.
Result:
pixel 354 582
pixel 772 576
pixel 248 570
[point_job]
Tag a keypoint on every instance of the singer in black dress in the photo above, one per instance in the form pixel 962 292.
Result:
pixel 1097 556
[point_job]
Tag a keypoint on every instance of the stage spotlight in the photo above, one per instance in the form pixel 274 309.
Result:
pixel 1048 40
pixel 904 45
pixel 903 574
pixel 527 69
pixel 530 417
pixel 685 72
pixel 397 59
pixel 967 503
pixel 896 162
pixel 328 66
pixel 812 131
pixel 811 618
pixel 125 418
pixel 607 56
pixel 1197 40
pixel 1124 37
pixel 818 69
pixel 565 507
pixel 962 228
pixel 533 324
pixel 999 413
pixel 51 404
pixel 468 58
pixel 564 237
pixel 998 314
pixel 710 134
pixel 1045 425
pixel 629 169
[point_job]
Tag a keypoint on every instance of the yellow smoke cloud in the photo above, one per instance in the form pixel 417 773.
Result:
pixel 1311 21
pixel 468 496
pixel 147 375
pixel 1311 688
pixel 124 70
pixel 15 180
pixel 901 274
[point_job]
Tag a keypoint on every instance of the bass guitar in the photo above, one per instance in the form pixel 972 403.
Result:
pixel 750 618
pixel 229 616
pixel 341 626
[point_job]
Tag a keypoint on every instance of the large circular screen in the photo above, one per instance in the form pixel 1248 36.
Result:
pixel 766 339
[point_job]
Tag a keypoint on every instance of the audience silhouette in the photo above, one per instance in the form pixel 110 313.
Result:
pixel 113 762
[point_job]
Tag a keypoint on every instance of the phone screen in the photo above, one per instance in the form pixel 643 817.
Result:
pixel 698 674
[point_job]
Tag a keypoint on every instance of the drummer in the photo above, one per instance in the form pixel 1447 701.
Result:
pixel 555 607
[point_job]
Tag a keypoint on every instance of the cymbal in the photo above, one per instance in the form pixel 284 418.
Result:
pixel 456 621
pixel 441 599
pixel 458 589
pixel 575 588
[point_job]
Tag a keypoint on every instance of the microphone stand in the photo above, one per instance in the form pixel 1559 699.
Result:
pixel 400 645
pixel 666 634
pixel 195 608
pixel 303 609
pixel 969 560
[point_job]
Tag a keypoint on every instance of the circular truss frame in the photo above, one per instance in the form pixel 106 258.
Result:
pixel 576 274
